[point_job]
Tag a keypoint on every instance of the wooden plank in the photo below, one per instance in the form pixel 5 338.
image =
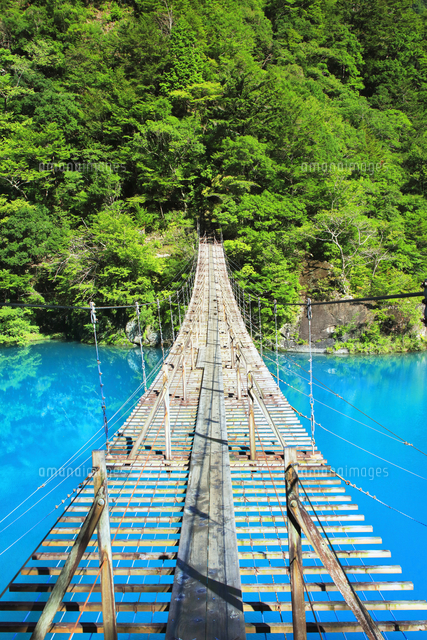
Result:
pixel 160 627
pixel 146 425
pixel 337 627
pixel 323 587
pixel 43 587
pixel 121 607
pixel 224 607
pixel 255 571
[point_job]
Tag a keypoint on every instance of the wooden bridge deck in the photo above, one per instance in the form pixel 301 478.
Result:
pixel 199 542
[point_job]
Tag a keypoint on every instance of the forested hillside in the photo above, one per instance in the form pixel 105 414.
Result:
pixel 298 127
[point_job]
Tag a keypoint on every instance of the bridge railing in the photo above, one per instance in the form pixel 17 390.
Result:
pixel 299 520
pixel 188 340
pixel 97 518
pixel 254 390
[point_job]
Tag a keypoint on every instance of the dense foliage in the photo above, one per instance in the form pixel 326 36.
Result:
pixel 295 126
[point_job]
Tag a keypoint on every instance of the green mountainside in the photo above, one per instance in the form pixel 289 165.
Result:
pixel 297 127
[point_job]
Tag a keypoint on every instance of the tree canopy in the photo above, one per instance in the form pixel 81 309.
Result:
pixel 297 127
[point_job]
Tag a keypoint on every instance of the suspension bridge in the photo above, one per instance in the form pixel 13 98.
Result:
pixel 212 514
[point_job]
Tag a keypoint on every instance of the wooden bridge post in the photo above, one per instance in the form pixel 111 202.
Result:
pixel 239 386
pixel 192 354
pixel 104 550
pixel 53 604
pixel 252 442
pixel 233 360
pixel 184 380
pixel 168 452
pixel 295 552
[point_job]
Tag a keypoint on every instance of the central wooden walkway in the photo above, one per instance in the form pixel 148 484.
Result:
pixel 200 540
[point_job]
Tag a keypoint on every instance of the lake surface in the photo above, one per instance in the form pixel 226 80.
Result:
pixel 392 390
pixel 50 407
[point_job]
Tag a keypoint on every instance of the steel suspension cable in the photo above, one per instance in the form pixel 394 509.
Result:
pixel 98 362
pixel 151 375
pixel 285 519
pixel 87 600
pixel 82 485
pixel 323 386
pixel 144 377
pixel 82 449
pixel 173 330
pixel 260 325
pixel 160 329
pixel 346 578
pixel 277 343
pixel 57 472
pixel 413 294
pixel 332 408
pixel 44 517
pixel 179 309
pixel 348 441
pixel 361 448
pixel 366 493
pixel 312 421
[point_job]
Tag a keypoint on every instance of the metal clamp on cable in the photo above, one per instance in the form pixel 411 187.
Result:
pixel 277 344
pixel 309 309
pixel 92 313
pixel 144 375
pixel 98 362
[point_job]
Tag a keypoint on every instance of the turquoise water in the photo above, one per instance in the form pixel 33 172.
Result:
pixel 50 407
pixel 392 390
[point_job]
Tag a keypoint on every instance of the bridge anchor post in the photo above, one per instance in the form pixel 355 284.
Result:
pixel 104 549
pixel 330 561
pixel 295 550
pixel 252 442
pixel 233 361
pixel 184 380
pixel 238 381
pixel 192 354
pixel 168 452
pixel 51 607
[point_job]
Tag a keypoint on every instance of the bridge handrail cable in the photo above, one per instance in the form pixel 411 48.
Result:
pixel 176 362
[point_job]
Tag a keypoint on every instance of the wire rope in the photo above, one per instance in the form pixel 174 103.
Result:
pixel 84 447
pixel 98 362
pixel 361 448
pixel 48 514
pixel 413 294
pixel 43 497
pixel 322 385
pixel 366 493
